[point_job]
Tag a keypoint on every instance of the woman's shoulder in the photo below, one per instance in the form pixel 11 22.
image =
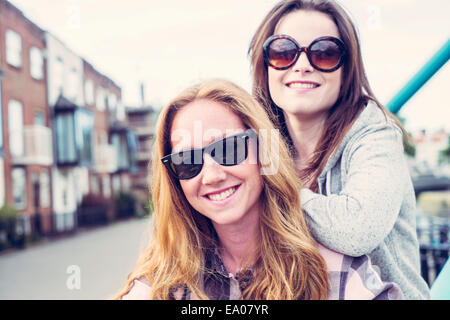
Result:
pixel 372 127
pixel 374 118
pixel 140 290
pixel 376 130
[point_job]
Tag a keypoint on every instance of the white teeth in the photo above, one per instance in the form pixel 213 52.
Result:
pixel 302 85
pixel 223 195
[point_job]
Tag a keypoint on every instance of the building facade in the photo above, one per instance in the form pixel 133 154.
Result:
pixel 26 139
pixel 64 135
pixel 113 139
pixel 72 126
pixel 143 121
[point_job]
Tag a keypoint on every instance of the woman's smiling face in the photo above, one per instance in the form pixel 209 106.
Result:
pixel 302 90
pixel 225 194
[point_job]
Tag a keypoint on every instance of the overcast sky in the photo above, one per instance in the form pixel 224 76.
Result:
pixel 171 44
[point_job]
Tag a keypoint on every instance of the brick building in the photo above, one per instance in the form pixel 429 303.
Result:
pixel 113 139
pixel 63 129
pixel 26 135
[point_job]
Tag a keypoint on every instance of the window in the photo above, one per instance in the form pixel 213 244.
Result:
pixel 15 121
pixel 95 187
pixel 116 185
pixel 19 188
pixel 106 186
pixel 13 48
pixel 132 142
pixel 103 137
pixel 89 92
pixel 121 115
pixel 73 84
pixel 74 137
pixel 100 99
pixel 112 102
pixel 36 63
pixel 57 76
pixel 64 185
pixel 44 181
pixel 85 136
pixel 119 141
pixel 65 137
pixel 39 118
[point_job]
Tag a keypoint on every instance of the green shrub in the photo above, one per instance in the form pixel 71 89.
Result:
pixel 124 198
pixel 125 204
pixel 8 212
pixel 8 218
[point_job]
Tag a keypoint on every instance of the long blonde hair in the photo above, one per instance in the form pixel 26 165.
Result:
pixel 289 264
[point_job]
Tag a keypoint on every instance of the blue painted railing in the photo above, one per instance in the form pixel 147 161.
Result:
pixel 438 60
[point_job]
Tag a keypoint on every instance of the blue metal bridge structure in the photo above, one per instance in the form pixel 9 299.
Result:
pixel 434 232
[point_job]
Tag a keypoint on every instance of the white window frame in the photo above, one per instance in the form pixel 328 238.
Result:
pixel 100 99
pixel 13 42
pixel 44 188
pixel 19 187
pixel 95 184
pixel 89 92
pixel 57 76
pixel 116 184
pixel 72 85
pixel 106 186
pixel 39 118
pixel 36 63
pixel 16 133
pixel 112 101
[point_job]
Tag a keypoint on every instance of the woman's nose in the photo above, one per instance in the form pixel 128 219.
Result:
pixel 212 172
pixel 302 64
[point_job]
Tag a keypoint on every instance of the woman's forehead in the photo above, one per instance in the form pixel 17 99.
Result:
pixel 306 25
pixel 201 122
pixel 182 140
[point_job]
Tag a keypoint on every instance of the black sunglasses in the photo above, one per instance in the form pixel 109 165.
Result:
pixel 325 54
pixel 229 151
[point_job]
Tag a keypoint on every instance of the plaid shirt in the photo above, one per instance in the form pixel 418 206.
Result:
pixel 351 278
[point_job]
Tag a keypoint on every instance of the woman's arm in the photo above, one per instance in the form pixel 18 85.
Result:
pixel 356 278
pixel 374 181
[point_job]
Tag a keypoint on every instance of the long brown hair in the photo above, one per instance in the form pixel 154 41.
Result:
pixel 289 264
pixel 355 90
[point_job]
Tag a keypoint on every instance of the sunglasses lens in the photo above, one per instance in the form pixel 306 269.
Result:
pixel 281 53
pixel 230 151
pixel 325 54
pixel 187 164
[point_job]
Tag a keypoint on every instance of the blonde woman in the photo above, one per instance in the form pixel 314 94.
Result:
pixel 226 227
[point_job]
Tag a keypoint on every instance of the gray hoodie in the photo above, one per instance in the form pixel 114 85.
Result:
pixel 366 202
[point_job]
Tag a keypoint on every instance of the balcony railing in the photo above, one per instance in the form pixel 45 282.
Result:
pixel 143 155
pixel 146 130
pixel 32 145
pixel 140 181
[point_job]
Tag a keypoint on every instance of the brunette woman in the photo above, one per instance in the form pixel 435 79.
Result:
pixel 348 149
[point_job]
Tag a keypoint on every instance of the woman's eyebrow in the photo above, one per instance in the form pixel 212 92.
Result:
pixel 215 138
pixel 210 140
